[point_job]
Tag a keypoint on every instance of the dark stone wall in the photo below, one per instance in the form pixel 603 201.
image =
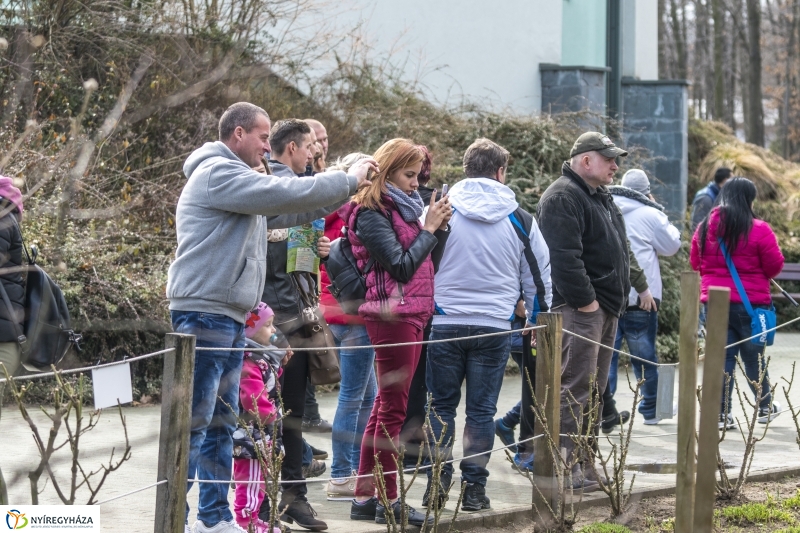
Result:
pixel 655 118
pixel 573 89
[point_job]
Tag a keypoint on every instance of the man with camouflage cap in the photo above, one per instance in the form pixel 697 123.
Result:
pixel 591 280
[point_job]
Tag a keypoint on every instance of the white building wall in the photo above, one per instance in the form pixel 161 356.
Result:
pixel 482 51
pixel 647 39
pixel 640 39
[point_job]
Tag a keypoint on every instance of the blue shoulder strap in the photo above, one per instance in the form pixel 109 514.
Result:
pixel 736 279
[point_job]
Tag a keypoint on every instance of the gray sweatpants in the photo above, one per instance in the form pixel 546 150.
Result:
pixel 584 370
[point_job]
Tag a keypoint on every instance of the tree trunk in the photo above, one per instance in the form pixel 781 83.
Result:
pixel 680 43
pixel 719 49
pixel 755 110
pixel 791 27
pixel 731 68
pixel 663 67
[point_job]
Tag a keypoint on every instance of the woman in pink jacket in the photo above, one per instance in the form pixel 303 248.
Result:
pixel 395 249
pixel 757 257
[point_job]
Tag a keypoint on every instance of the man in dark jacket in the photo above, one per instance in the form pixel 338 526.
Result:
pixel 586 236
pixel 706 197
pixel 292 150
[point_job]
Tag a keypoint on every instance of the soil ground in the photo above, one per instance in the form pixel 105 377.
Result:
pixel 655 515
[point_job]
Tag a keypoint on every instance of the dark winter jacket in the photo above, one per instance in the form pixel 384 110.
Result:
pixel 703 201
pixel 281 288
pixel 588 246
pixel 11 271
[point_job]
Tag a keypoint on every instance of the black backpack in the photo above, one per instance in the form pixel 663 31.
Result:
pixel 348 282
pixel 45 336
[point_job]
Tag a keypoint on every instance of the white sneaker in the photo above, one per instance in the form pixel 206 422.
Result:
pixel 726 422
pixel 655 420
pixel 769 414
pixel 222 527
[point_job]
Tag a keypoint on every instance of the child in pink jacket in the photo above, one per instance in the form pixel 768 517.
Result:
pixel 258 388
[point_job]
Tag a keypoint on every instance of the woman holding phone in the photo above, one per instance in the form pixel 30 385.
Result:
pixel 385 232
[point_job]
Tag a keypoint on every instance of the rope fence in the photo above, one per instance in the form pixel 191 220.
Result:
pixel 421 468
pixel 88 368
pixel 372 346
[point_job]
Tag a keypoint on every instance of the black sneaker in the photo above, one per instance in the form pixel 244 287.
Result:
pixel 318 454
pixel 610 422
pixel 363 511
pixel 766 414
pixel 445 480
pixel 475 498
pixel 301 513
pixel 415 518
pixel 316 426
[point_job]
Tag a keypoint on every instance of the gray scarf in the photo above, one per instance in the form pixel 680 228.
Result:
pixel 410 206
pixel 619 190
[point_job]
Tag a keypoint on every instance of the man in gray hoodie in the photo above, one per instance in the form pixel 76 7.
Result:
pixel 218 276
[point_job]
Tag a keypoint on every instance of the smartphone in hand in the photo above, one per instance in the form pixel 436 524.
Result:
pixel 445 188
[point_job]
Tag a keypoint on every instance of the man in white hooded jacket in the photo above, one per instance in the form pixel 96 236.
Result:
pixel 650 234
pixel 494 254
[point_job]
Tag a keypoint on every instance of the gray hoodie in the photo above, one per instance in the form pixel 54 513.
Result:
pixel 221 221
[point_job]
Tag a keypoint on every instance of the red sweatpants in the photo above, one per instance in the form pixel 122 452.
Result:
pixel 395 368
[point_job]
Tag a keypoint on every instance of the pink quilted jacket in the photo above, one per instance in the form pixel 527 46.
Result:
pixel 757 260
pixel 253 393
pixel 387 300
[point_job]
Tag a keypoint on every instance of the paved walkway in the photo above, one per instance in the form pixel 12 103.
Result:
pixel 507 489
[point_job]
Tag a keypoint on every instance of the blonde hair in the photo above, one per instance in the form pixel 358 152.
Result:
pixel 392 156
pixel 344 163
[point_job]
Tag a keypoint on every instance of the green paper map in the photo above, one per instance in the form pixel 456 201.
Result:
pixel 302 245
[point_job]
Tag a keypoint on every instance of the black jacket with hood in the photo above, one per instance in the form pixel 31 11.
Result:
pixel 10 271
pixel 586 235
pixel 281 288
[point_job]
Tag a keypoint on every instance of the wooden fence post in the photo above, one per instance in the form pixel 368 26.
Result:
pixel 687 401
pixel 548 396
pixel 173 440
pixel 708 440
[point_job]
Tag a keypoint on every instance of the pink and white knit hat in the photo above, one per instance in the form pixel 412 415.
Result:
pixel 256 318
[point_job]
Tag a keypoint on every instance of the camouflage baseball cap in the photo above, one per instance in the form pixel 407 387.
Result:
pixel 592 141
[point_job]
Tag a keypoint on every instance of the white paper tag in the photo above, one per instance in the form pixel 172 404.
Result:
pixel 112 383
pixel 51 518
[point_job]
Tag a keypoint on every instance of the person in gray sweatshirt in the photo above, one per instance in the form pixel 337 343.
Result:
pixel 218 276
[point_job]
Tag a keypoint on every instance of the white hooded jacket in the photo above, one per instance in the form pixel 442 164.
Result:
pixel 649 233
pixel 484 267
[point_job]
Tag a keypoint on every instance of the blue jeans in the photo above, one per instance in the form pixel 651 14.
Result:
pixel 752 357
pixel 216 383
pixel 356 396
pixel 482 362
pixel 639 329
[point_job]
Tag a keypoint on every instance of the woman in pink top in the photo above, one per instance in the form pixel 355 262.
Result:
pixel 757 257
